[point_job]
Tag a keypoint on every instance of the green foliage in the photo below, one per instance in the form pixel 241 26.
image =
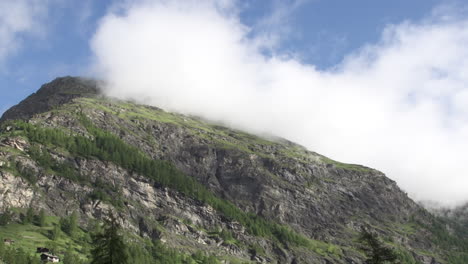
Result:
pixel 55 233
pixel 29 237
pixel 454 243
pixel 140 254
pixel 109 246
pixel 376 252
pixel 163 255
pixel 140 251
pixel 107 193
pixel 69 224
pixel 73 224
pixel 28 218
pixel 53 246
pixel 71 258
pixel 41 219
pixel 16 256
pixel 94 226
pixel 406 257
pixel 346 166
pixel 256 249
pixel 45 160
pixel 225 235
pixel 26 173
pixel 5 217
pixel 2 247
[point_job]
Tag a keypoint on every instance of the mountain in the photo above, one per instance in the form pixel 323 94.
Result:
pixel 197 190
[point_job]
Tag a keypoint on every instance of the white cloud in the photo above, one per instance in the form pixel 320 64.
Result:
pixel 18 18
pixel 399 105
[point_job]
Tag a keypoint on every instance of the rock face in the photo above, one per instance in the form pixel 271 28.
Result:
pixel 278 180
pixel 14 191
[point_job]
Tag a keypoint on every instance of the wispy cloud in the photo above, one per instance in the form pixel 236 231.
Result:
pixel 17 19
pixel 399 105
pixel 277 25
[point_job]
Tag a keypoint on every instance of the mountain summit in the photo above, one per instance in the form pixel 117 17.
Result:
pixel 51 95
pixel 197 191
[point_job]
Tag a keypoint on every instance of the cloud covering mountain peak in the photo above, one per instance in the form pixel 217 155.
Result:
pixel 399 105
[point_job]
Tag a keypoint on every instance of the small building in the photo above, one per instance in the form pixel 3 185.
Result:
pixel 8 241
pixel 46 257
pixel 42 250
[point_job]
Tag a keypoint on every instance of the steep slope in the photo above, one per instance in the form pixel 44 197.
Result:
pixel 198 186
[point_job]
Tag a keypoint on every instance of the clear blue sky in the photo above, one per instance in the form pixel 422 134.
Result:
pixel 322 31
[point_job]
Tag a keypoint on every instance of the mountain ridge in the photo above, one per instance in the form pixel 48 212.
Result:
pixel 322 200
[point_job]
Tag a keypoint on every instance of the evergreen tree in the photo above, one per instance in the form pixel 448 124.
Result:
pixel 109 245
pixel 29 217
pixel 53 246
pixel 94 227
pixel 69 224
pixel 64 224
pixel 70 257
pixel 5 217
pixel 42 218
pixel 2 248
pixel 55 233
pixel 73 224
pixel 375 251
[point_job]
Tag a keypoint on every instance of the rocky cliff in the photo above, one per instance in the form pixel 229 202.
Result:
pixel 257 200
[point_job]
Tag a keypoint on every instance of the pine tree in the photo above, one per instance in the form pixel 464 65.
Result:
pixel 109 245
pixel 42 218
pixel 5 217
pixel 70 257
pixel 69 225
pixel 55 233
pixel 2 248
pixel 29 217
pixel 375 251
pixel 73 224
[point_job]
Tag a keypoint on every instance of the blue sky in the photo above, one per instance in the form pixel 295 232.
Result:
pixel 380 83
pixel 321 31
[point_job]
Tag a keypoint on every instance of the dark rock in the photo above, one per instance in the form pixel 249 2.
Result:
pixel 51 95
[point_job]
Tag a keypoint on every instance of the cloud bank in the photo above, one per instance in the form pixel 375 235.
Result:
pixel 400 105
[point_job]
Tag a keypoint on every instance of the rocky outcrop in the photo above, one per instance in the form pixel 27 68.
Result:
pixel 14 191
pixel 17 143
